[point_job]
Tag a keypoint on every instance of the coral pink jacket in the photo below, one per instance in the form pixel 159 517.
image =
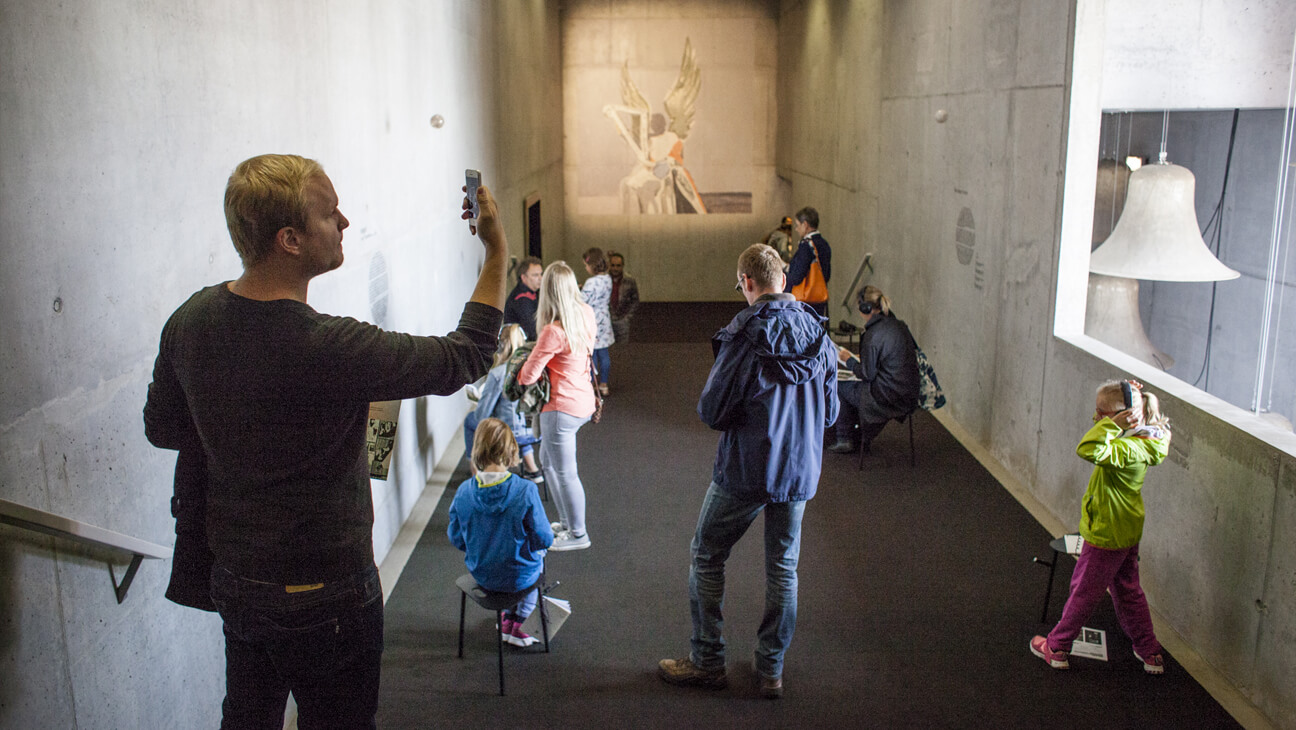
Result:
pixel 570 389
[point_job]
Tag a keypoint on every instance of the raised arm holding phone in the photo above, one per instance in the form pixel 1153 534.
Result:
pixel 272 398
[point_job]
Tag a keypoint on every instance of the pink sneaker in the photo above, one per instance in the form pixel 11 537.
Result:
pixel 513 634
pixel 1154 664
pixel 1056 659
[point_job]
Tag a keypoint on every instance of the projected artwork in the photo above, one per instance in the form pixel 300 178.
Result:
pixel 665 118
pixel 658 182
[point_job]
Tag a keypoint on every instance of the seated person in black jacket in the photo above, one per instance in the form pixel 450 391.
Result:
pixel 887 368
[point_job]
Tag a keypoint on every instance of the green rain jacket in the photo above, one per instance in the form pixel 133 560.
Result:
pixel 1112 510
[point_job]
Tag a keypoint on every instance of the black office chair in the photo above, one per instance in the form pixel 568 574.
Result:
pixel 498 602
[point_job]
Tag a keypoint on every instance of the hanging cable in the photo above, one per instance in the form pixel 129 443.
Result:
pixel 1111 224
pixel 1213 231
pixel 1165 129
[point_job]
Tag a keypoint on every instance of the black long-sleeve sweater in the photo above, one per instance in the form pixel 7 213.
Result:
pixel 278 396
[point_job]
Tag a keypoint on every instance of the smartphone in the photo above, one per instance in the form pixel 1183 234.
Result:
pixel 472 180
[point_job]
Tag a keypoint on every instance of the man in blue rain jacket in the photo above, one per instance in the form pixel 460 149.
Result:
pixel 771 392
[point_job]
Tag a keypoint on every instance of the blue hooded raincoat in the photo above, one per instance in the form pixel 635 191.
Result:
pixel 771 391
pixel 502 530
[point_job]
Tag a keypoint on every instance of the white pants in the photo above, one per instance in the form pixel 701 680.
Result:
pixel 558 457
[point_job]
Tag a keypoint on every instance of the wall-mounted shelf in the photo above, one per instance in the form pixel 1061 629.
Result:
pixel 12 513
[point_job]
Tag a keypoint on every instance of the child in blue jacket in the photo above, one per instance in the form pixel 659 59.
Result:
pixel 497 519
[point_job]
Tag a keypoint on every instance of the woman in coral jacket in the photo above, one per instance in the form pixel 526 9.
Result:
pixel 564 348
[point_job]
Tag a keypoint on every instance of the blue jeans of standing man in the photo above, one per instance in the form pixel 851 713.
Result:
pixel 723 521
pixel 322 642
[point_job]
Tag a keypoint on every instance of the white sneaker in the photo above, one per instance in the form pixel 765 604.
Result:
pixel 567 541
pixel 557 528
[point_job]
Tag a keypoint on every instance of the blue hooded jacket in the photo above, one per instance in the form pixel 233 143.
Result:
pixel 772 391
pixel 501 528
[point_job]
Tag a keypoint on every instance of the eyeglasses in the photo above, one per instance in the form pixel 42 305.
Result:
pixel 738 286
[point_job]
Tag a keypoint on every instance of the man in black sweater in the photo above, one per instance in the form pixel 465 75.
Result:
pixel 274 398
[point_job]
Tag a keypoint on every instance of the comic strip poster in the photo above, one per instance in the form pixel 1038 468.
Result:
pixel 381 436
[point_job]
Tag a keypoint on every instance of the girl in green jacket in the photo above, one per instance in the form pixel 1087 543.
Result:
pixel 1129 435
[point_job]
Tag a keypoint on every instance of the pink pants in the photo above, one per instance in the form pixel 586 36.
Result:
pixel 1097 571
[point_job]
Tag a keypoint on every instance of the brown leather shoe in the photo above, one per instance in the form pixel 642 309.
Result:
pixel 685 673
pixel 771 688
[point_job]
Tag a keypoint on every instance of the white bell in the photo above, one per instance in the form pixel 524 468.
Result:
pixel 1112 316
pixel 1157 237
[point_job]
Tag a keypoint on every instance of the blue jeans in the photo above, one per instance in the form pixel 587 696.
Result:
pixel 324 645
pixel 524 607
pixel 721 524
pixel 602 363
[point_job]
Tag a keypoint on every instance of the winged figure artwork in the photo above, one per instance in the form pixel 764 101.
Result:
pixel 658 182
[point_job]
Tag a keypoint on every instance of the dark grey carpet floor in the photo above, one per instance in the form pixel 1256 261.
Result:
pixel 917 597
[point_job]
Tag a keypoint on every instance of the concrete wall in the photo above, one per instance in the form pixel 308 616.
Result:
pixel 525 98
pixel 969 233
pixel 673 257
pixel 120 127
pixel 1190 54
pixel 830 135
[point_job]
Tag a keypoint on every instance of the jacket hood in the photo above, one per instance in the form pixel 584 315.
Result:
pixel 492 498
pixel 786 336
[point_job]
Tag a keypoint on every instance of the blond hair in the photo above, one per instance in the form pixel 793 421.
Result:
pixel 493 444
pixel 874 296
pixel 761 264
pixel 510 339
pixel 560 301
pixel 1152 415
pixel 265 194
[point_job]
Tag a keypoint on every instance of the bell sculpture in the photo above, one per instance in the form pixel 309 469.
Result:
pixel 1156 238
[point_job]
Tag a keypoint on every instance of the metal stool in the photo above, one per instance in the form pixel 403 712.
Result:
pixel 913 457
pixel 1059 546
pixel 498 602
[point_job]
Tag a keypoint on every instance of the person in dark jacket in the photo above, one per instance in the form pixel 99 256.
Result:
pixel 811 247
pixel 887 373
pixel 521 305
pixel 771 393
pixel 275 397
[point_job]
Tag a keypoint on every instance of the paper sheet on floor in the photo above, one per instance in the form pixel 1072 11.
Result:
pixel 558 611
pixel 1091 643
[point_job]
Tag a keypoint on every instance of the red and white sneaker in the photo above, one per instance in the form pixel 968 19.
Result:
pixel 1154 664
pixel 1056 659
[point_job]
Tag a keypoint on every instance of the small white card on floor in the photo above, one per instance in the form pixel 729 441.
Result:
pixel 1091 643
